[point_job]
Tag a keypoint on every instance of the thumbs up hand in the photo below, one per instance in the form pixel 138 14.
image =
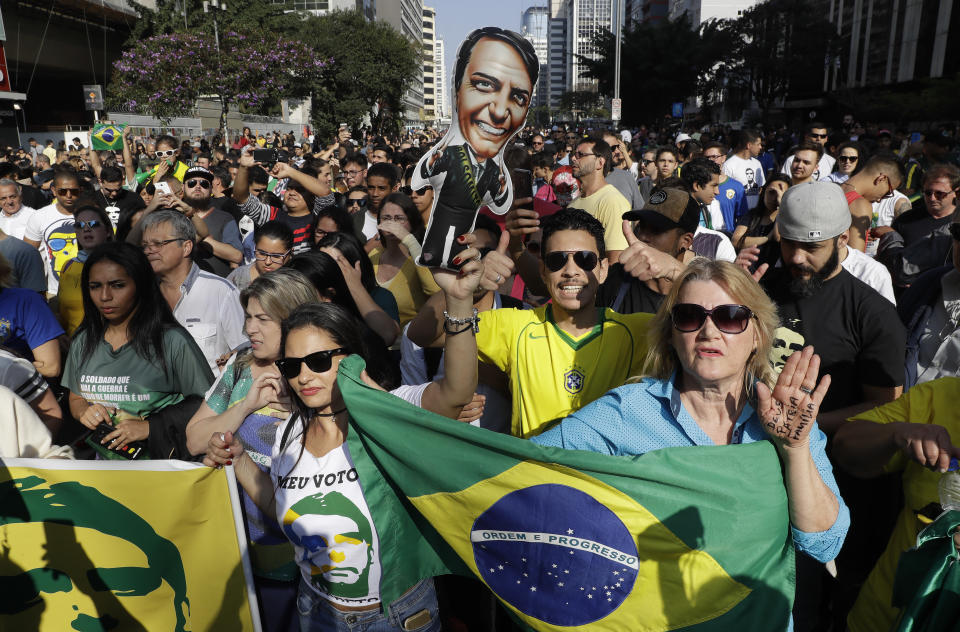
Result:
pixel 645 262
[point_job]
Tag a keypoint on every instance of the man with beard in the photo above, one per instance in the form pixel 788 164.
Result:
pixel 222 246
pixel 861 345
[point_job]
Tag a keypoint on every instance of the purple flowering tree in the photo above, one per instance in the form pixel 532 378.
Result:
pixel 165 74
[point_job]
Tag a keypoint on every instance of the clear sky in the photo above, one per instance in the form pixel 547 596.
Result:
pixel 456 18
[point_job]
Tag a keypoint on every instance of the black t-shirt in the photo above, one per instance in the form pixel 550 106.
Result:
pixel 127 201
pixel 302 227
pixel 917 223
pixel 34 197
pixel 227 205
pixel 854 330
pixel 637 297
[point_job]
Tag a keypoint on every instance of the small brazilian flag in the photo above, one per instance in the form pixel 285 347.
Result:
pixel 107 137
pixel 681 538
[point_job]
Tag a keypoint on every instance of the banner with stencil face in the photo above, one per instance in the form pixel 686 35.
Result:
pixel 104 545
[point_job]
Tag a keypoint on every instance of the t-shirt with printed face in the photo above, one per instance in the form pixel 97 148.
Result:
pixel 854 330
pixel 58 240
pixel 322 510
pixel 749 173
pixel 124 379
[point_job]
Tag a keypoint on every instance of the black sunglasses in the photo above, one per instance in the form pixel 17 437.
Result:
pixel 318 362
pixel 586 260
pixel 955 230
pixel 361 202
pixel 730 319
pixel 203 182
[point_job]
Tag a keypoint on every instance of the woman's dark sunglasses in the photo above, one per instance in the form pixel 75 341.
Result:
pixel 730 319
pixel 586 260
pixel 318 362
pixel 91 224
pixel 361 202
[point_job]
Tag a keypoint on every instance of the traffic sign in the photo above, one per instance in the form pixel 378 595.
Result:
pixel 93 97
pixel 615 108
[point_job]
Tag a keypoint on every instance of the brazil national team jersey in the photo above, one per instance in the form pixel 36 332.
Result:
pixel 552 373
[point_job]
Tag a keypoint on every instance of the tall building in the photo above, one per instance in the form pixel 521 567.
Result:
pixel 654 10
pixel 891 42
pixel 430 83
pixel 407 17
pixel 440 74
pixel 535 28
pixel 700 11
pixel 319 7
pixel 557 51
pixel 585 19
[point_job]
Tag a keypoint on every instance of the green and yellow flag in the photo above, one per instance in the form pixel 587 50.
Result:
pixel 108 545
pixel 106 136
pixel 680 538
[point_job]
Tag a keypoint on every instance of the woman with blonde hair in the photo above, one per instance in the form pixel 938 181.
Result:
pixel 251 400
pixel 707 381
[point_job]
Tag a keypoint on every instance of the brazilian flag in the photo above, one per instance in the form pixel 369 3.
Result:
pixel 691 538
pixel 104 136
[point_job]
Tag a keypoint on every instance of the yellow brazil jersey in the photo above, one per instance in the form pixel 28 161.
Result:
pixel 553 374
pixel 927 403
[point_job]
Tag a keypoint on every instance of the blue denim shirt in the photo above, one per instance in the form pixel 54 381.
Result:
pixel 638 418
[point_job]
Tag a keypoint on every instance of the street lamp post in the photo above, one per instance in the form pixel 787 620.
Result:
pixel 218 5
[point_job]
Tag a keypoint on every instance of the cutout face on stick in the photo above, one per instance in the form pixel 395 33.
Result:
pixel 493 82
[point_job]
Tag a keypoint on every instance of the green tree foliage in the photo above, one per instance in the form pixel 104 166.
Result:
pixel 373 66
pixel 778 50
pixel 164 74
pixel 187 16
pixel 661 63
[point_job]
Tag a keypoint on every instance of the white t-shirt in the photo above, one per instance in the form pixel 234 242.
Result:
pixel 716 215
pixel 824 167
pixel 58 240
pixel 870 271
pixel 725 250
pixel 322 510
pixel 369 226
pixel 15 224
pixel 749 173
pixel 883 209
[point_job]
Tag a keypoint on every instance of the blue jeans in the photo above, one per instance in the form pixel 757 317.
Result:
pixel 318 615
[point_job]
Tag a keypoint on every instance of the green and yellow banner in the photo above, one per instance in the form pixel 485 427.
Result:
pixel 105 545
pixel 691 538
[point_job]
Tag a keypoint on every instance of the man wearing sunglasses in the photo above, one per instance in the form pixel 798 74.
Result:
pixel 877 180
pixel 592 162
pixel 919 240
pixel 562 356
pixel 223 244
pixel 814 133
pixel 51 228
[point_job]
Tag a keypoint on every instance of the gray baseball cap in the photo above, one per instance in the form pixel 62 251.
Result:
pixel 814 211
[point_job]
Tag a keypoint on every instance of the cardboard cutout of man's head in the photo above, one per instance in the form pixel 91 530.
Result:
pixel 493 83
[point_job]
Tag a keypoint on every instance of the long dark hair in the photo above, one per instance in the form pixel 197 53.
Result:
pixel 409 209
pixel 326 276
pixel 345 331
pixel 151 314
pixel 349 246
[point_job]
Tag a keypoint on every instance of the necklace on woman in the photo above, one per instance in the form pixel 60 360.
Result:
pixel 333 414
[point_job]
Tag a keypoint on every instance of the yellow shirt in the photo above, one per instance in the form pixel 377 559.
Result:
pixel 608 205
pixel 69 297
pixel 553 374
pixel 927 403
pixel 411 286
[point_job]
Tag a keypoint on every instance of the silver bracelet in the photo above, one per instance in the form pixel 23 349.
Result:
pixel 472 320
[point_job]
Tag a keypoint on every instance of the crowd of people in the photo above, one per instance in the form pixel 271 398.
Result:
pixel 648 288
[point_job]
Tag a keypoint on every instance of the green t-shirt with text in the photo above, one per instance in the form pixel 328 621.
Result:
pixel 126 380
